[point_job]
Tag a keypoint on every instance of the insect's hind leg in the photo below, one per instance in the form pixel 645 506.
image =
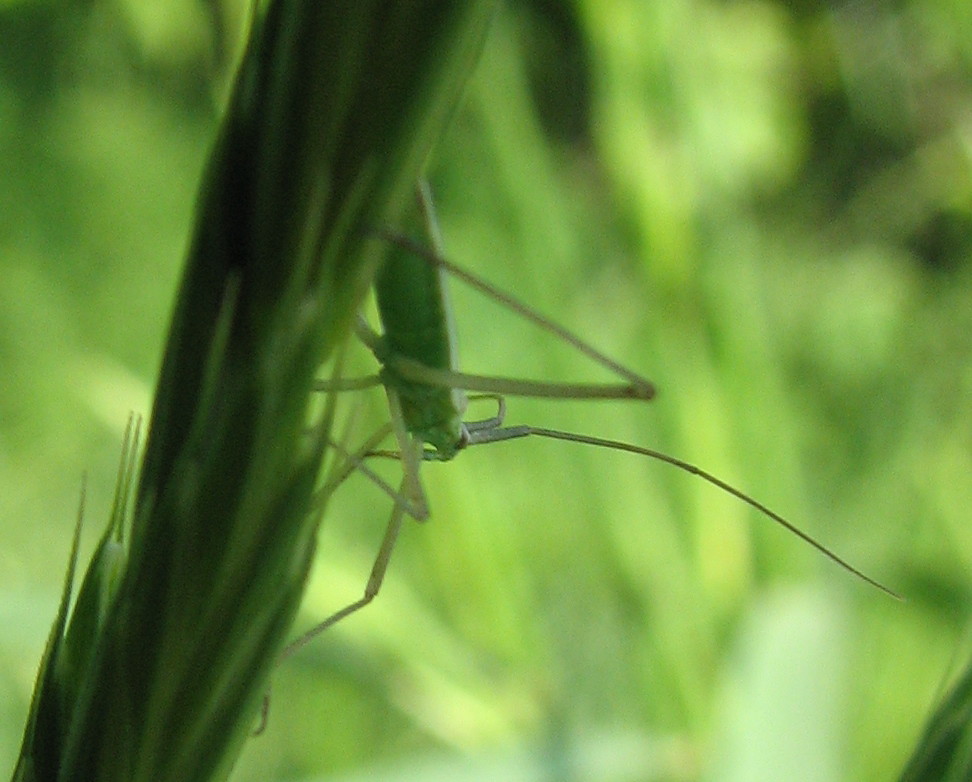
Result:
pixel 634 387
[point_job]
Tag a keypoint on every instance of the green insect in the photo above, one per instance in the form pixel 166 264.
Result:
pixel 427 392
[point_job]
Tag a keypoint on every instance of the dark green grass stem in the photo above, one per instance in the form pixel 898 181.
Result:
pixel 944 751
pixel 332 117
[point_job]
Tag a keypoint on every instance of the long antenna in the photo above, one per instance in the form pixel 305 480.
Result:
pixel 485 435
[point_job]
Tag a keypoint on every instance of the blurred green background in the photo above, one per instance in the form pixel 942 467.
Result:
pixel 765 207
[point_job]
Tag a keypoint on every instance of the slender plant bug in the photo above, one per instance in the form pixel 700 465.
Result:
pixel 427 397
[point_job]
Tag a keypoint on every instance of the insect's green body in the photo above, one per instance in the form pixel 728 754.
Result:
pixel 416 319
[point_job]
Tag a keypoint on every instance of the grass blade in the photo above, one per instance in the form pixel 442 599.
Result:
pixel 332 117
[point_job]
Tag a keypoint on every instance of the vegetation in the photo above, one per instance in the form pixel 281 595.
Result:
pixel 764 207
pixel 157 671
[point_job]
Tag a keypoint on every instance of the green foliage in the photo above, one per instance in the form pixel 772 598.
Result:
pixel 764 207
pixel 944 752
pixel 159 670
